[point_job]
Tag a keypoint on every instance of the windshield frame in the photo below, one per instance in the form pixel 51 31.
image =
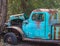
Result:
pixel 44 13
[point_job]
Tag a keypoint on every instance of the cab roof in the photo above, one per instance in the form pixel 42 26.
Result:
pixel 46 10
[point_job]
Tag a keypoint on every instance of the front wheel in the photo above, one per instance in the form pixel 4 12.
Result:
pixel 10 38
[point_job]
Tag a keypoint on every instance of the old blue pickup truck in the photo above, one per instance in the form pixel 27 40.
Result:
pixel 42 26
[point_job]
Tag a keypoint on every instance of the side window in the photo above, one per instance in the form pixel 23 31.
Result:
pixel 38 17
pixel 53 16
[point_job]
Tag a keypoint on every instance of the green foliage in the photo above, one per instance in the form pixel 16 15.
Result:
pixel 14 6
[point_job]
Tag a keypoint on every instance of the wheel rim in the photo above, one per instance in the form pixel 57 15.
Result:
pixel 9 40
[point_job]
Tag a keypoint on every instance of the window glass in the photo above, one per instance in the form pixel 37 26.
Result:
pixel 54 16
pixel 38 17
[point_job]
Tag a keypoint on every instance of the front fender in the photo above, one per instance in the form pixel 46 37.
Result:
pixel 17 29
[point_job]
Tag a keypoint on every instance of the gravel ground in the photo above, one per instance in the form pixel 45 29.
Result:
pixel 26 43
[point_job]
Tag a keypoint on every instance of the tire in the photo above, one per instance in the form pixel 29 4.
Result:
pixel 12 36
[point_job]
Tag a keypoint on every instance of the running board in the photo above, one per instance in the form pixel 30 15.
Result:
pixel 39 40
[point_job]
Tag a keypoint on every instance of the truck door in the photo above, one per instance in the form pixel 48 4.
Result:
pixel 38 20
pixel 35 26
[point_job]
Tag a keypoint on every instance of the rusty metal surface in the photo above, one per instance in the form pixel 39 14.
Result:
pixel 57 24
pixel 27 43
pixel 43 41
pixel 51 11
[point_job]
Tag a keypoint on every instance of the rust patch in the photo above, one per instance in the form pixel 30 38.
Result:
pixel 38 26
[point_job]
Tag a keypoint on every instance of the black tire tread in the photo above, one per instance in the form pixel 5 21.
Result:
pixel 12 35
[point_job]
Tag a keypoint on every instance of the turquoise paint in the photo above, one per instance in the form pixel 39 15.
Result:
pixel 52 33
pixel 31 30
pixel 12 17
pixel 57 30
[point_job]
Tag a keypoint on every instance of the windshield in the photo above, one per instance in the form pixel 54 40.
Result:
pixel 38 17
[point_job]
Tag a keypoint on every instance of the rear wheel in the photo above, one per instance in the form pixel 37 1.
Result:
pixel 10 38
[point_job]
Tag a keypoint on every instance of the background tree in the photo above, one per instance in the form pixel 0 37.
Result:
pixel 26 6
pixel 23 6
pixel 3 13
